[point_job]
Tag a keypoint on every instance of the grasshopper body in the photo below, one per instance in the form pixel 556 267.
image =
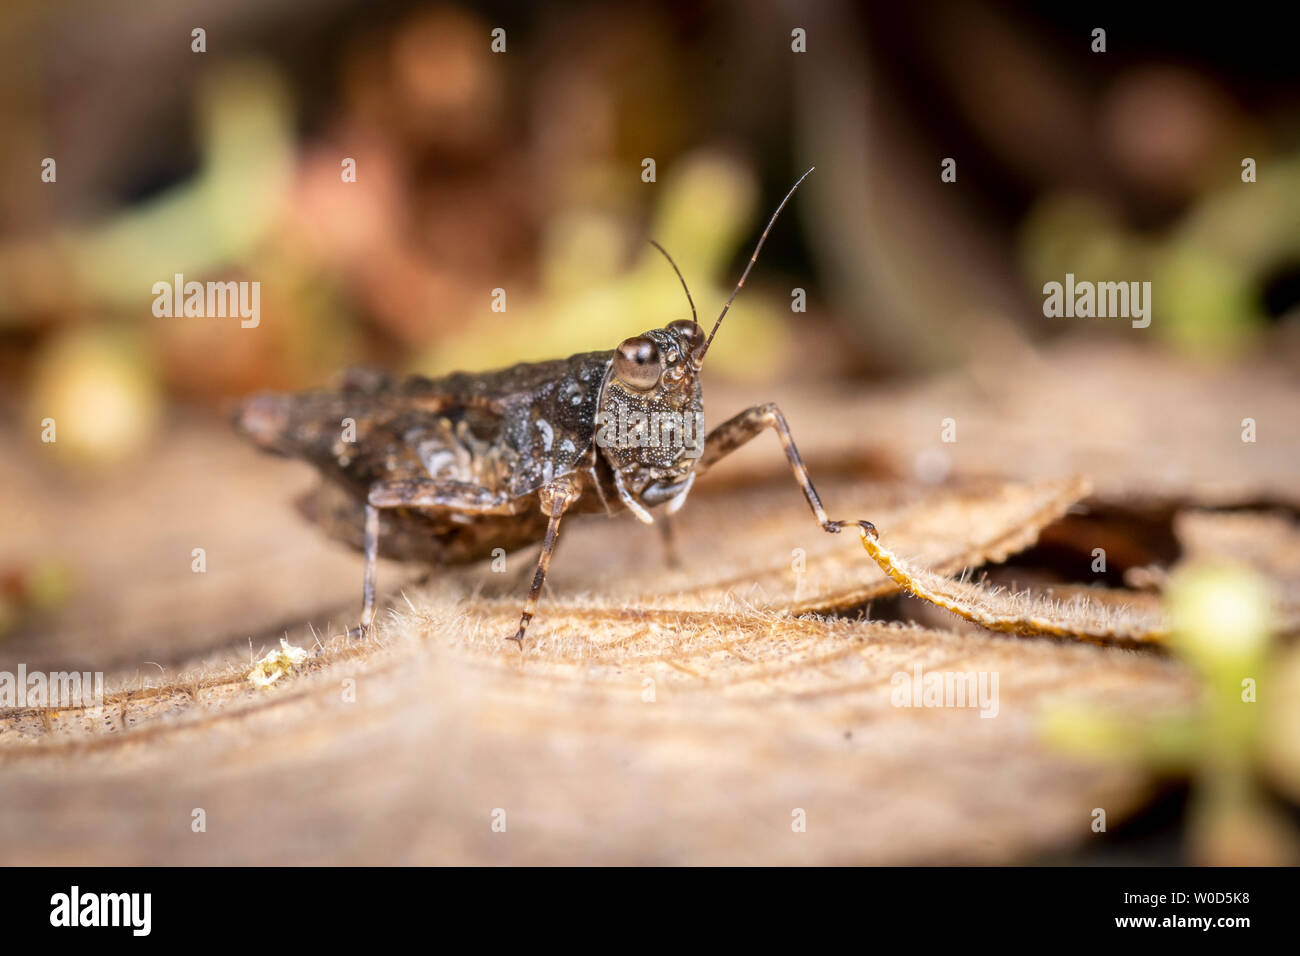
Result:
pixel 447 470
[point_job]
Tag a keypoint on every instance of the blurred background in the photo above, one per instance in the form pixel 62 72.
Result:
pixel 134 149
pixel 382 172
pixel 522 171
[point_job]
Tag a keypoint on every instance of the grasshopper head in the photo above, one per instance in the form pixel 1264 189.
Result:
pixel 650 421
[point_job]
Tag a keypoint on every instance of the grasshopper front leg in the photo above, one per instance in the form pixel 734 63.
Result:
pixel 739 429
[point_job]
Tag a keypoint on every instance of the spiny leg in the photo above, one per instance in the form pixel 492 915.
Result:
pixel 556 499
pixel 415 493
pixel 739 429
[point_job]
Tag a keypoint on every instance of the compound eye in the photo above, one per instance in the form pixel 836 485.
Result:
pixel 636 363
pixel 691 333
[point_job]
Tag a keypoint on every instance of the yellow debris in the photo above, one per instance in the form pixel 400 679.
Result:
pixel 276 664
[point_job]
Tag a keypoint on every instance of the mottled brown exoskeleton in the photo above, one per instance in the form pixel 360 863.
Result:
pixel 447 470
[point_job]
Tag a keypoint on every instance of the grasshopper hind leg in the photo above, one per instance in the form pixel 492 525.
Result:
pixel 368 581
pixel 414 493
pixel 555 499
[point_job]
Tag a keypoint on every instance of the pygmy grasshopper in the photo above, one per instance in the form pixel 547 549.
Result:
pixel 447 470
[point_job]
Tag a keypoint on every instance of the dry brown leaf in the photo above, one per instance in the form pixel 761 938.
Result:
pixel 1024 612
pixel 749 724
pixel 1269 543
pixel 757 705
pixel 657 715
pixel 739 550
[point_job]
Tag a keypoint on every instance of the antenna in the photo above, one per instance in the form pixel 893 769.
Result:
pixel 679 276
pixel 698 358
